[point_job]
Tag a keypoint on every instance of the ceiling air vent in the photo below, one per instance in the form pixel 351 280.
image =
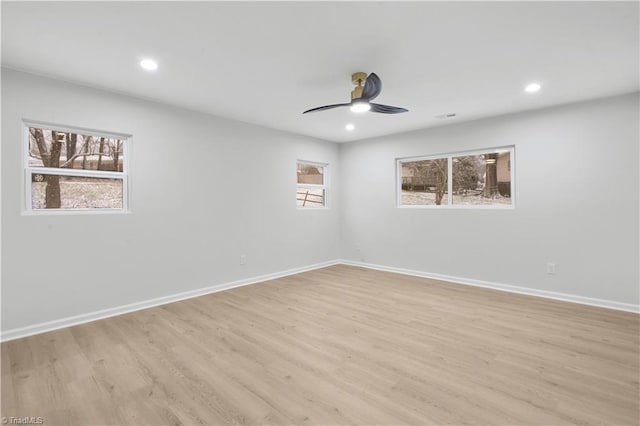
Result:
pixel 443 116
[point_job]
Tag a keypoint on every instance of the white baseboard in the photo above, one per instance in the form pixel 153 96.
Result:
pixel 503 287
pixel 17 333
pixel 30 330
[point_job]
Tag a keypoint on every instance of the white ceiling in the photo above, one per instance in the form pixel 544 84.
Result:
pixel 266 62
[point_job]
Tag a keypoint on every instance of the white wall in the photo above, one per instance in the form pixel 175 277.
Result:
pixel 576 171
pixel 204 190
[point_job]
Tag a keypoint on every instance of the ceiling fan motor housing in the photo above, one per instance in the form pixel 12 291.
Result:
pixel 358 79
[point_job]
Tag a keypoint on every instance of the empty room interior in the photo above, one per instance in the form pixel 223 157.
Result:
pixel 320 213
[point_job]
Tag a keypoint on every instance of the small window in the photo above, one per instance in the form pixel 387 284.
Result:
pixel 311 190
pixel 472 179
pixel 74 170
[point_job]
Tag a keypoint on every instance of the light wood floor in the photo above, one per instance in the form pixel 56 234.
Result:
pixel 340 345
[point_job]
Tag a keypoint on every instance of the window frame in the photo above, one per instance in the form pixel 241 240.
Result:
pixel 450 156
pixel 28 170
pixel 324 186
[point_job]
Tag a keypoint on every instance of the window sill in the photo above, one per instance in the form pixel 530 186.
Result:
pixel 64 212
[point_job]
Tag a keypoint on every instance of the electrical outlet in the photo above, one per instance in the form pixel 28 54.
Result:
pixel 551 268
pixel 243 259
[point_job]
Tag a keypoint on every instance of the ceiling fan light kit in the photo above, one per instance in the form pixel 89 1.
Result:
pixel 360 106
pixel 361 96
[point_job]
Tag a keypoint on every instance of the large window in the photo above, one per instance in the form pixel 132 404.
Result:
pixel 479 179
pixel 311 191
pixel 74 170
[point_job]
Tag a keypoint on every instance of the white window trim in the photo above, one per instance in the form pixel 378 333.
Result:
pixel 28 170
pixel 449 156
pixel 325 186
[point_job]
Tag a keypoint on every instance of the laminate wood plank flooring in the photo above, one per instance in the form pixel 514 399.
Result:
pixel 338 345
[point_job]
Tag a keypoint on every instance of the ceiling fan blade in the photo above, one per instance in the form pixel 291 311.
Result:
pixel 372 87
pixel 386 109
pixel 322 108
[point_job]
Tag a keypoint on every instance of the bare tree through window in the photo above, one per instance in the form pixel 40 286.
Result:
pixel 424 182
pixel 482 178
pixel 74 170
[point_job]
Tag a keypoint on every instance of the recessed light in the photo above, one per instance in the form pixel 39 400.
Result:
pixel 360 107
pixel 149 64
pixel 349 127
pixel 532 87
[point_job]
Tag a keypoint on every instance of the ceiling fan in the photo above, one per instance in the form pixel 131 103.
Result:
pixel 361 96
